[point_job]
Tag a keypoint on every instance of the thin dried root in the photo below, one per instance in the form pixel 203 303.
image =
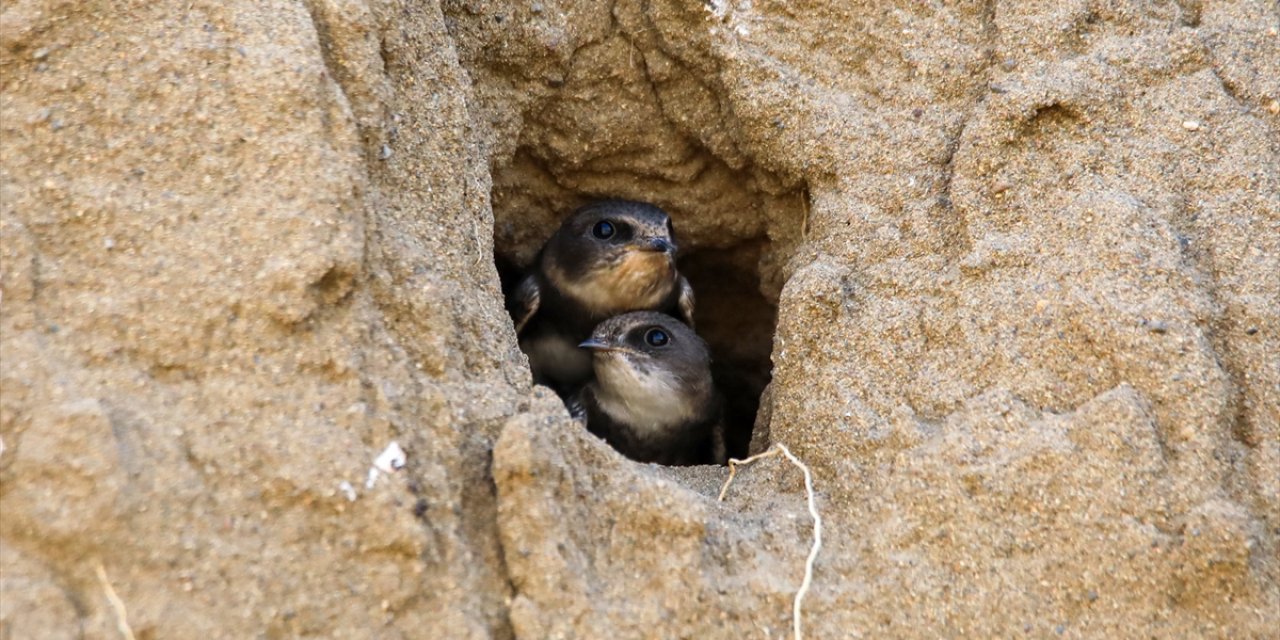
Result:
pixel 122 619
pixel 813 512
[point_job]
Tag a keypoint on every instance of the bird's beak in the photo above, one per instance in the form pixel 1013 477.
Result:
pixel 595 345
pixel 656 244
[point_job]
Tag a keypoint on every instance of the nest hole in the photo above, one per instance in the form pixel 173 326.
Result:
pixel 736 312
pixel 733 316
pixel 614 128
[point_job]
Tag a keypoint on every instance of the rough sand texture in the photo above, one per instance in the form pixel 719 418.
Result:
pixel 1025 259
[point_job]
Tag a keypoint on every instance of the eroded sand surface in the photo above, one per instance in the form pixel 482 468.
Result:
pixel 1025 259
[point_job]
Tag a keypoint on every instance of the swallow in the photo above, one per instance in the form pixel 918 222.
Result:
pixel 652 398
pixel 607 258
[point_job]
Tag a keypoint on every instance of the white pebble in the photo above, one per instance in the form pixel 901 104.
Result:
pixel 347 490
pixel 391 459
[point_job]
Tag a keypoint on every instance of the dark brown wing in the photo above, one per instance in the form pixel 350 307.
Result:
pixel 577 407
pixel 685 300
pixel 523 301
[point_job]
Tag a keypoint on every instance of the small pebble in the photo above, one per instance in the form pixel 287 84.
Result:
pixel 1190 125
pixel 347 490
pixel 1274 107
pixel 385 153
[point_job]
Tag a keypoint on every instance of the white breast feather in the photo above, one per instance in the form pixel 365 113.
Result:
pixel 653 400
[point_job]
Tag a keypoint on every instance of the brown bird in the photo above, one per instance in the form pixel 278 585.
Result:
pixel 607 258
pixel 652 398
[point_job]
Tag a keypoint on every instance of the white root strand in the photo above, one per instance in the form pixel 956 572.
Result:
pixel 122 618
pixel 813 512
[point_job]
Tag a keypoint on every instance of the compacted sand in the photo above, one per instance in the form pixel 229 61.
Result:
pixel 1023 259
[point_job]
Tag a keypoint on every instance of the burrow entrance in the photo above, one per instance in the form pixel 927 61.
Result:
pixel 731 263
pixel 627 121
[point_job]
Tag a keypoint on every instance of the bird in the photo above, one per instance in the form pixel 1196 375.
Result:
pixel 607 258
pixel 652 397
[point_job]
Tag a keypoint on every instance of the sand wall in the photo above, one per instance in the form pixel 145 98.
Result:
pixel 1022 259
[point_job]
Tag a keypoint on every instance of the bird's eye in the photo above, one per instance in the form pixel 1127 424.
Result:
pixel 603 230
pixel 656 337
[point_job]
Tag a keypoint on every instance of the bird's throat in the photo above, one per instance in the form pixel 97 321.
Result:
pixel 638 280
pixel 646 398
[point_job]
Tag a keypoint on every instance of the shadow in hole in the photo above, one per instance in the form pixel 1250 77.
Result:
pixel 737 321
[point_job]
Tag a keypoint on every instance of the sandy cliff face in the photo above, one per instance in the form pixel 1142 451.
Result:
pixel 1022 260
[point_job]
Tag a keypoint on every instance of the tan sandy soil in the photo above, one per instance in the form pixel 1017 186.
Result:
pixel 1023 258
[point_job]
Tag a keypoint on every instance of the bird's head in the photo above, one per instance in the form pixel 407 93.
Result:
pixel 646 351
pixel 614 256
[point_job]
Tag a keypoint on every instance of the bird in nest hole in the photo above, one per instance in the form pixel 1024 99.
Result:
pixel 652 397
pixel 607 258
